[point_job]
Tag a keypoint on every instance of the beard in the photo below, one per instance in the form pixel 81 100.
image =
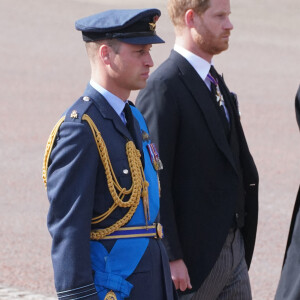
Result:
pixel 210 43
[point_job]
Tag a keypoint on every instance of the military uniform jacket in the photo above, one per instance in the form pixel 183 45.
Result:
pixel 77 191
pixel 199 180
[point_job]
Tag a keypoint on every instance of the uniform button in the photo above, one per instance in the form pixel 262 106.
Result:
pixel 125 171
pixel 86 98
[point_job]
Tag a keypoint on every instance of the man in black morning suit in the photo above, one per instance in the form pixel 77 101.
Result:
pixel 209 197
pixel 289 284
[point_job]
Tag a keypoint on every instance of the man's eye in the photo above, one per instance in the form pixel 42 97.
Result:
pixel 221 16
pixel 143 51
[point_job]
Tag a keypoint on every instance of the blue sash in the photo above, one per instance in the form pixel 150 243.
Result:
pixel 112 269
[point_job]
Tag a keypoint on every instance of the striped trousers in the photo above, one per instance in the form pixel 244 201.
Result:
pixel 228 279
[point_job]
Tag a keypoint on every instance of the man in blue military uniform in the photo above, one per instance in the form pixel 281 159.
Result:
pixel 100 169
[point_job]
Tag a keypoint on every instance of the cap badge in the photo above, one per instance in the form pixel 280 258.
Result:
pixel 74 114
pixel 152 26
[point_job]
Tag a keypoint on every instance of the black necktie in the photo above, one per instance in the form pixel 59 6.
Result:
pixel 213 72
pixel 129 119
pixel 130 127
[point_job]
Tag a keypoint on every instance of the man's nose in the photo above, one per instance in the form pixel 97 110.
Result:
pixel 149 61
pixel 228 25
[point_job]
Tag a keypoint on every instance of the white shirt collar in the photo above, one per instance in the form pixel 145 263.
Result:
pixel 199 64
pixel 115 102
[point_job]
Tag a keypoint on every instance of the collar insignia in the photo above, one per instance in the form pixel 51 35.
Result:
pixel 74 114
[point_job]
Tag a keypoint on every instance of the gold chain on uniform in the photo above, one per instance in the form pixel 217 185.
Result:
pixel 118 193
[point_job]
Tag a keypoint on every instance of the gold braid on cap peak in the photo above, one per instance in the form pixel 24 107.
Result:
pixel 138 188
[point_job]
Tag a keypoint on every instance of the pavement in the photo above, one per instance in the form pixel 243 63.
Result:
pixel 44 69
pixel 14 294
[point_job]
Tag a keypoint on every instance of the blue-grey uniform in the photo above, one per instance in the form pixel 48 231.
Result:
pixel 104 195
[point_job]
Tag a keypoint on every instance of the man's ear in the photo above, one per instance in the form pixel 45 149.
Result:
pixel 189 18
pixel 104 54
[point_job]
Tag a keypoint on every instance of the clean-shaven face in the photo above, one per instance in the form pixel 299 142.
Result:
pixel 131 66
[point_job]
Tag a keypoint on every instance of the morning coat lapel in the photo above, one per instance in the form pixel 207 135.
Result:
pixel 202 96
pixel 108 113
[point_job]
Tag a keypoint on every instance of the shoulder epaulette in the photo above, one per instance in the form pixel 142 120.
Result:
pixel 78 109
pixel 73 114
